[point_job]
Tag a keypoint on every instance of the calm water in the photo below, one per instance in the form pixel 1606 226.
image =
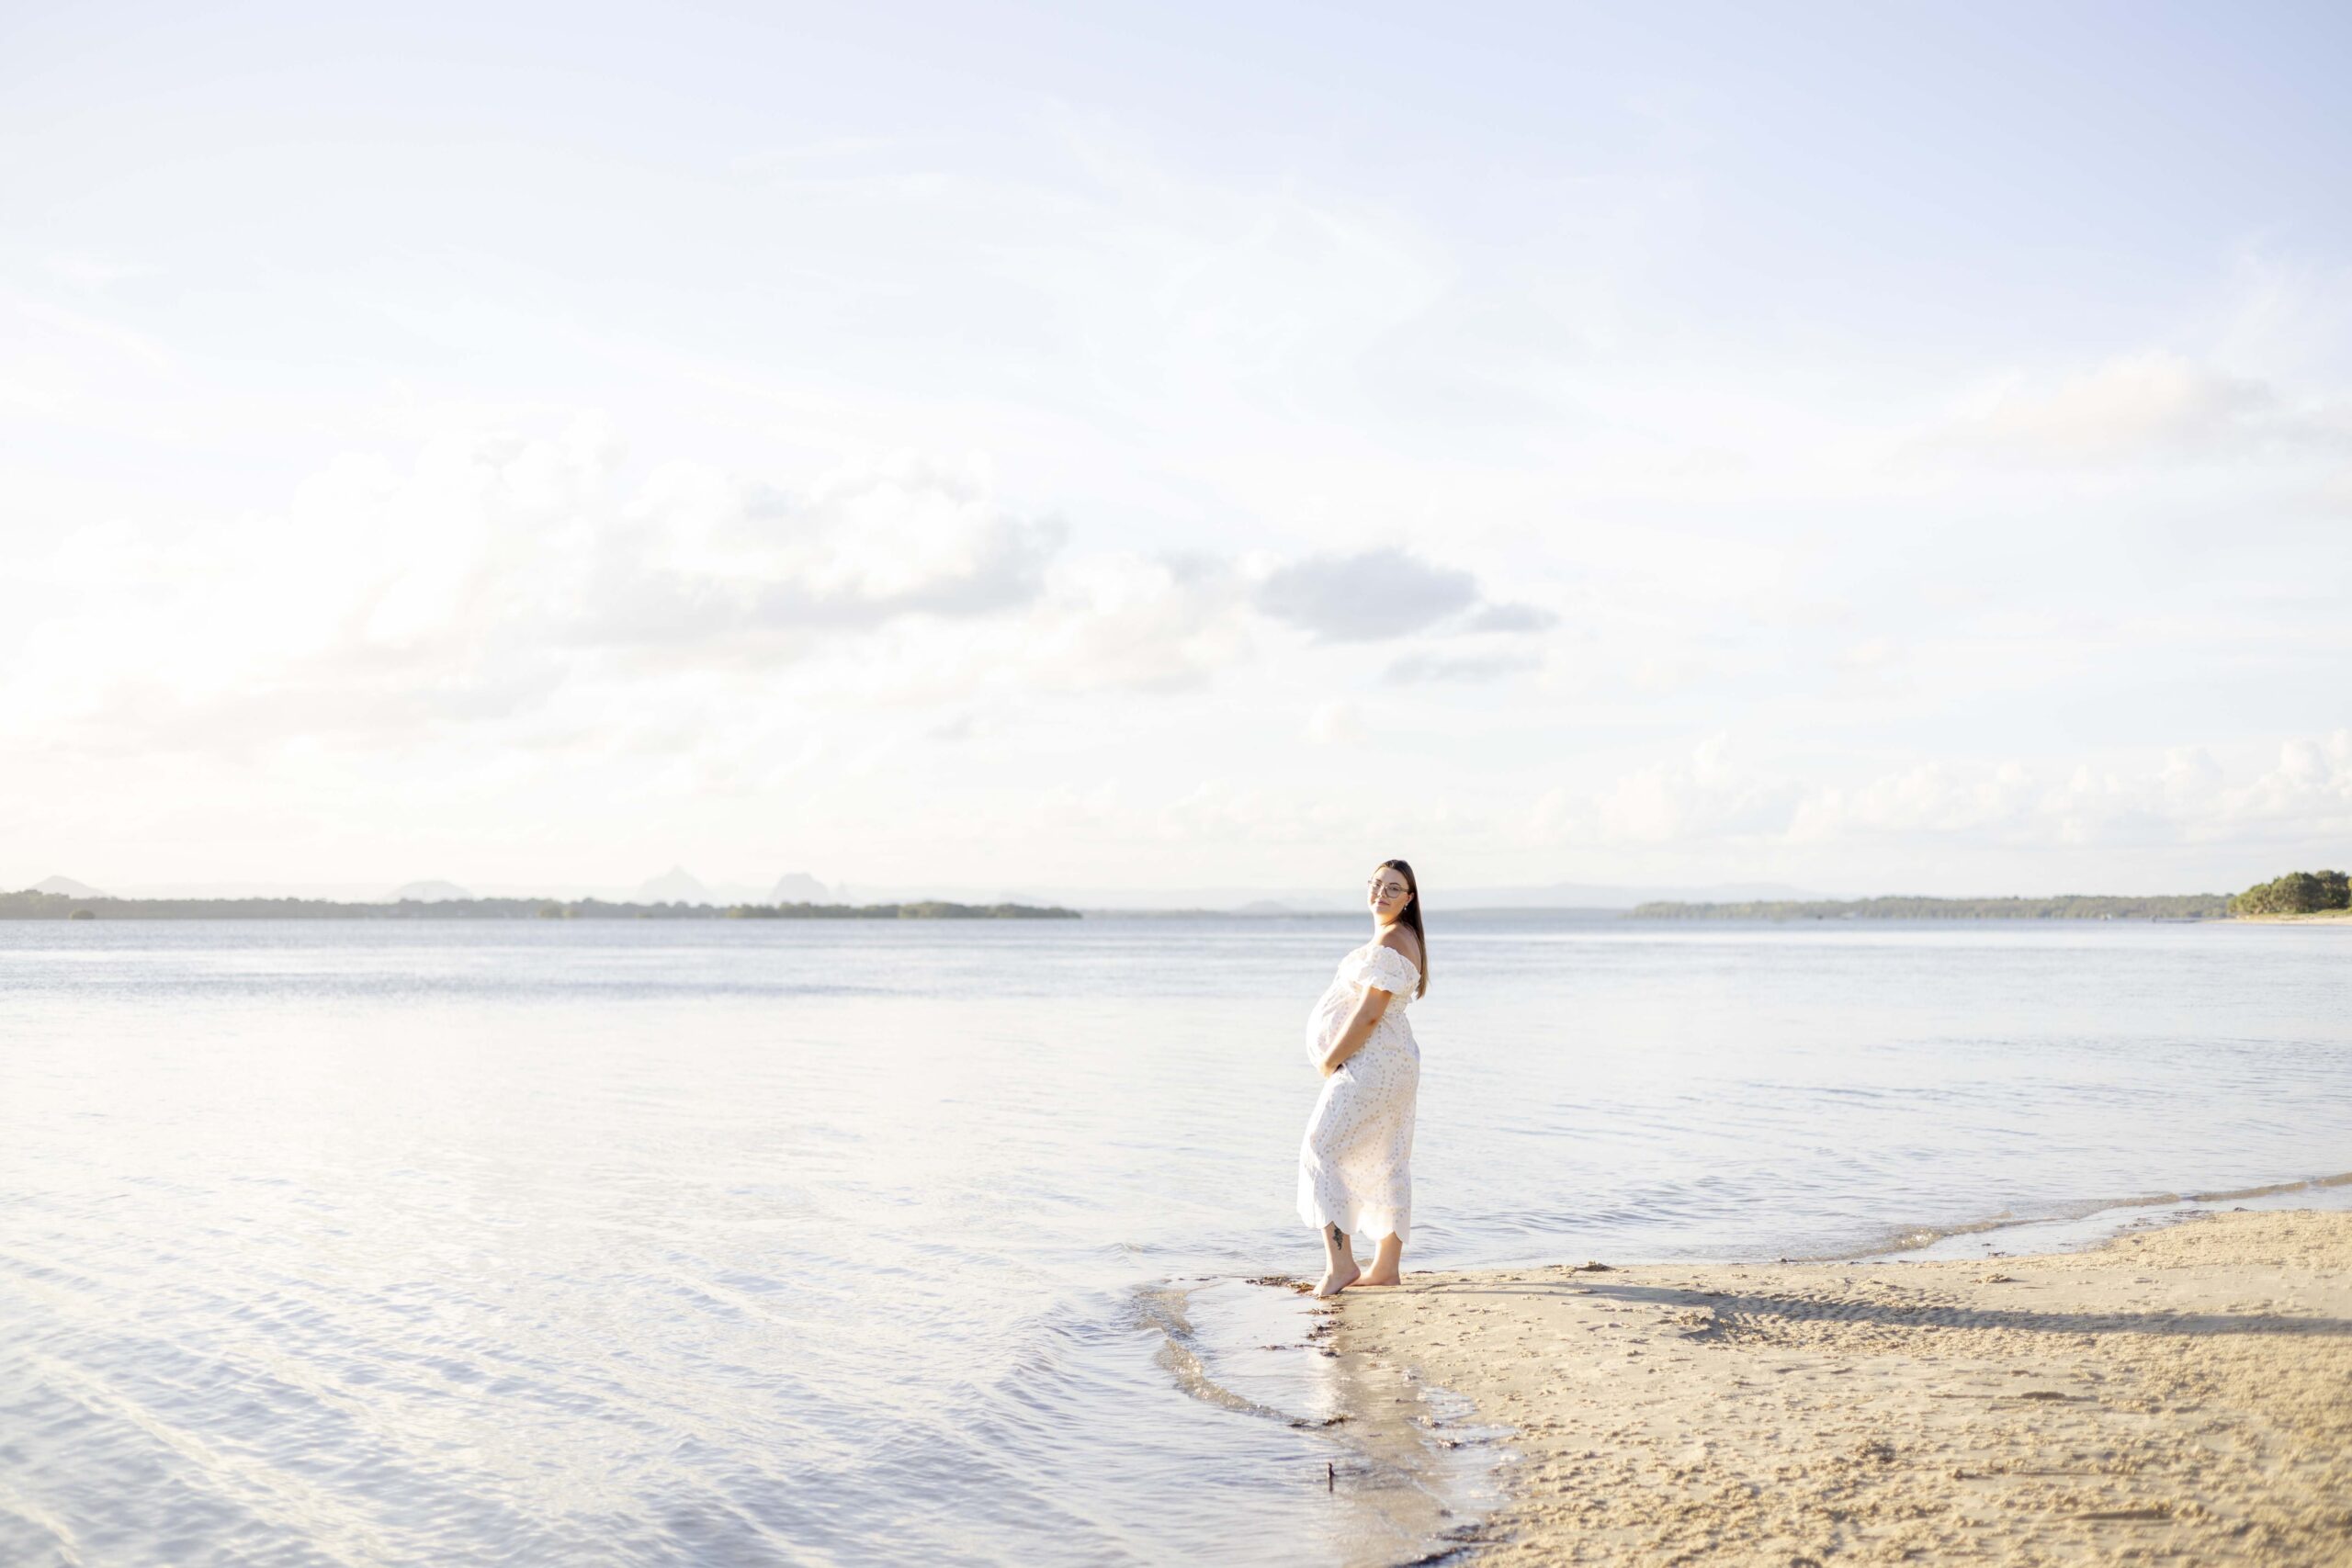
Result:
pixel 735 1243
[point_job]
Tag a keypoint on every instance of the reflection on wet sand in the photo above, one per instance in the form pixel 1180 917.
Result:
pixel 1406 1471
pixel 1420 1469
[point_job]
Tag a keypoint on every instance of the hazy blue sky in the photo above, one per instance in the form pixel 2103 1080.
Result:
pixel 1878 448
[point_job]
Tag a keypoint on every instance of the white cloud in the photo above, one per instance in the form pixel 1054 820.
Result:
pixel 1932 800
pixel 2309 788
pixel 1414 668
pixel 1157 624
pixel 1367 597
pixel 484 577
pixel 2152 404
pixel 525 582
pixel 1511 618
pixel 1703 796
pixel 2179 799
pixel 1379 595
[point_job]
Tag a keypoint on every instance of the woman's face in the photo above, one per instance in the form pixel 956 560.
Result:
pixel 1387 895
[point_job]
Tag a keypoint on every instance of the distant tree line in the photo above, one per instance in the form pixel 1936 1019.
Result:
pixel 2065 907
pixel 923 910
pixel 2297 893
pixel 32 906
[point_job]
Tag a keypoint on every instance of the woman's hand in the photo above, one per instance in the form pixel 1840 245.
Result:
pixel 1360 1025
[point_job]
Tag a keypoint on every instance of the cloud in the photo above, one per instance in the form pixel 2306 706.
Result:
pixel 1703 795
pixel 492 575
pixel 704 559
pixel 1150 624
pixel 2310 784
pixel 1416 668
pixel 1511 618
pixel 1933 799
pixel 2298 803
pixel 1158 625
pixel 1365 598
pixel 1376 595
pixel 530 585
pixel 2183 796
pixel 2153 403
pixel 972 566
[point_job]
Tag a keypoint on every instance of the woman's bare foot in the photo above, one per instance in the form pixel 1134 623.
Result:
pixel 1338 1278
pixel 1386 1261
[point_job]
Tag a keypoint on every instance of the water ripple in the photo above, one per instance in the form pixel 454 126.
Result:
pixel 664 1245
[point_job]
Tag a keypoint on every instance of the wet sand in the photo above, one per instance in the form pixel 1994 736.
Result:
pixel 2183 1395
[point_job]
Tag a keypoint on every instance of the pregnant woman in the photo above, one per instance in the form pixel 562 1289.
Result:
pixel 1355 1172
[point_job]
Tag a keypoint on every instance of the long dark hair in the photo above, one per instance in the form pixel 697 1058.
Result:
pixel 1412 916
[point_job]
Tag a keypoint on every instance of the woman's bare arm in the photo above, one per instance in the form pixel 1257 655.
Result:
pixel 1361 1023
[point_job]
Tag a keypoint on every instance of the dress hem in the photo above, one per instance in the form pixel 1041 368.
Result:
pixel 1374 1223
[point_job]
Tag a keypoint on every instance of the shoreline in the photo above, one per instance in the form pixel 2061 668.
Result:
pixel 2084 1226
pixel 2183 1392
pixel 2314 917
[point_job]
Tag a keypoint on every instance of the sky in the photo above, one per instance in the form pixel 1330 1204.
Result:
pixel 1873 448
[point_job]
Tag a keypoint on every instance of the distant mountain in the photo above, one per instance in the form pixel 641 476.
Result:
pixel 675 885
pixel 70 887
pixel 426 893
pixel 799 887
pixel 1349 899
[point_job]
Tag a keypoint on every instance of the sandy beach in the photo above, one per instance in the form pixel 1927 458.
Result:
pixel 2180 1396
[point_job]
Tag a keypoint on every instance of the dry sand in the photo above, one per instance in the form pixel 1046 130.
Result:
pixel 2183 1395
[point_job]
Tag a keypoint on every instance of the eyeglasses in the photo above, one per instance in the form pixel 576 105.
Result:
pixel 1387 889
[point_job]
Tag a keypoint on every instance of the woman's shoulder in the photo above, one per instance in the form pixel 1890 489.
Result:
pixel 1399 940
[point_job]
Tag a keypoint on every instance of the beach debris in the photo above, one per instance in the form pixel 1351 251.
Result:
pixel 1698 1323
pixel 1330 1476
pixel 1592 1265
pixel 1997 1279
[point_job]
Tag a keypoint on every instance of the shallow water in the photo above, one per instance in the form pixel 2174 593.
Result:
pixel 747 1243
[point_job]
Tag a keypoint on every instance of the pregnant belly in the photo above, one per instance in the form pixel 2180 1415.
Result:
pixel 1330 1017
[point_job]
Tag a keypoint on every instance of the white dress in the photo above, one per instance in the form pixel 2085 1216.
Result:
pixel 1355 1165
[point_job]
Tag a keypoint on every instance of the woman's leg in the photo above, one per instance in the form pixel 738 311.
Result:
pixel 1340 1269
pixel 1384 1261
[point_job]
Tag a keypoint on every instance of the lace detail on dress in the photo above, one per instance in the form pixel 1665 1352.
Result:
pixel 1387 969
pixel 1355 1163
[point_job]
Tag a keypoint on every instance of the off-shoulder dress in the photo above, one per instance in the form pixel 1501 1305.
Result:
pixel 1355 1165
